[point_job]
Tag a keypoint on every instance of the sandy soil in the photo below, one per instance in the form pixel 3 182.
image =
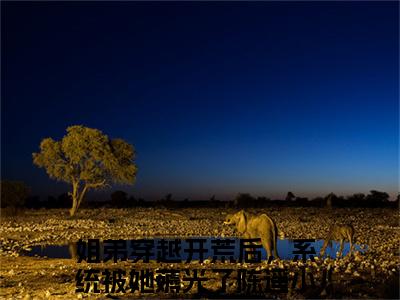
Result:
pixel 374 274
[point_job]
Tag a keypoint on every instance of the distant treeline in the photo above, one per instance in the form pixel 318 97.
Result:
pixel 15 194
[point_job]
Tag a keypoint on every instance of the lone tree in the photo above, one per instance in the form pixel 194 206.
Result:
pixel 329 200
pixel 87 159
pixel 290 196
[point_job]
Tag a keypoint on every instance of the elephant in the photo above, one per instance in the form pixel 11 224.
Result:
pixel 262 226
pixel 338 233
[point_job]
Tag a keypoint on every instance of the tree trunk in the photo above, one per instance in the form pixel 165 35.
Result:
pixel 74 208
pixel 75 202
pixel 82 194
pixel 77 198
pixel 329 202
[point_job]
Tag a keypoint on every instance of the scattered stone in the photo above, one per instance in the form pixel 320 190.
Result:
pixel 53 227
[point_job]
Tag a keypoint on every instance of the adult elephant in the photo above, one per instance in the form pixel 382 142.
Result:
pixel 262 226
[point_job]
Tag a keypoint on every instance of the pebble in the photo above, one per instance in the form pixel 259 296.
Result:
pixel 51 227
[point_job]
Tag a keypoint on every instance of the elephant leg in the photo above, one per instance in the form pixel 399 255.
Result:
pixel 248 236
pixel 276 249
pixel 351 245
pixel 341 248
pixel 323 248
pixel 253 256
pixel 267 246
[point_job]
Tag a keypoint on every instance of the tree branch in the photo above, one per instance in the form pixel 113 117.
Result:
pixel 95 185
pixel 85 188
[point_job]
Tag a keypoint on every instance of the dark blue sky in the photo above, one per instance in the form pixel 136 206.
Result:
pixel 217 98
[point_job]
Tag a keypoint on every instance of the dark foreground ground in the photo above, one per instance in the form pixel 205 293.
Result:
pixel 373 274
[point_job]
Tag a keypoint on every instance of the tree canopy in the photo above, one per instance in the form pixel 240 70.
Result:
pixel 87 159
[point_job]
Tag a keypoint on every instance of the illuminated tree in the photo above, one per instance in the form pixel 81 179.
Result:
pixel 87 159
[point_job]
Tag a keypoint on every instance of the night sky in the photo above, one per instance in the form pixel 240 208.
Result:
pixel 217 98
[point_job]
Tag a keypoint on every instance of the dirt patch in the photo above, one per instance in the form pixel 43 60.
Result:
pixel 370 275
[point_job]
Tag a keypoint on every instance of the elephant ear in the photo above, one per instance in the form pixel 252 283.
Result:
pixel 242 224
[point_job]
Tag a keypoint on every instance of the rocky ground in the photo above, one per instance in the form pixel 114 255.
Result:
pixel 373 274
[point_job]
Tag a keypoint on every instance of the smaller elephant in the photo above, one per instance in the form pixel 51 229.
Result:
pixel 261 226
pixel 339 233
